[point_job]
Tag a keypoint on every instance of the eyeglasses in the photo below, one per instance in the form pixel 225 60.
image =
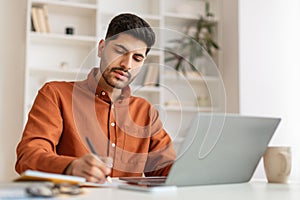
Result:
pixel 51 190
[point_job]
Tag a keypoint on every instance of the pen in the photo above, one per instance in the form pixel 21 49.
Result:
pixel 91 146
pixel 93 150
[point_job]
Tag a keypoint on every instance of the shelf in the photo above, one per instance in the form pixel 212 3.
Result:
pixel 150 17
pixel 62 39
pixel 147 17
pixel 180 21
pixel 188 109
pixel 138 89
pixel 154 52
pixel 177 77
pixel 153 19
pixel 180 16
pixel 66 4
pixel 185 16
pixel 55 70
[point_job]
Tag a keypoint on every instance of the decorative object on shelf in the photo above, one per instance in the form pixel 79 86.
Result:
pixel 64 65
pixel 203 101
pixel 69 31
pixel 188 49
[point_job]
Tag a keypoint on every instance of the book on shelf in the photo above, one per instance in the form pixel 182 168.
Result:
pixel 35 19
pixel 40 19
pixel 46 17
pixel 32 25
pixel 152 76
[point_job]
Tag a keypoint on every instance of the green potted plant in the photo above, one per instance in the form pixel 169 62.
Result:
pixel 187 49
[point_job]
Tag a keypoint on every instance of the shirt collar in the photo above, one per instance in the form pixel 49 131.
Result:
pixel 95 88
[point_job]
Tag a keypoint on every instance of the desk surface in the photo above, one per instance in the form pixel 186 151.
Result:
pixel 252 191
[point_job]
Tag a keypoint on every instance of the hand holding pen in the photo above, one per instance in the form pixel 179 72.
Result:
pixel 106 160
pixel 90 166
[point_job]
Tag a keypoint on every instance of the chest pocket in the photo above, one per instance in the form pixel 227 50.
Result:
pixel 135 144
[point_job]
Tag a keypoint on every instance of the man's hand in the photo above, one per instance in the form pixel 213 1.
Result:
pixel 90 167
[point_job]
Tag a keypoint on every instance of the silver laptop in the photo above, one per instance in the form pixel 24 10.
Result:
pixel 219 149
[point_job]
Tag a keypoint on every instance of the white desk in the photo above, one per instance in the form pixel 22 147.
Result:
pixel 252 191
pixel 245 191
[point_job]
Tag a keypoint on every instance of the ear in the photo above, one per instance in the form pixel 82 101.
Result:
pixel 100 47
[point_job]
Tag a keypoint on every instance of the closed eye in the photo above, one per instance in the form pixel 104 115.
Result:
pixel 138 58
pixel 120 50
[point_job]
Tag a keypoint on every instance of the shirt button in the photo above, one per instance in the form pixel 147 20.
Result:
pixel 113 145
pixel 97 95
pixel 113 124
pixel 103 93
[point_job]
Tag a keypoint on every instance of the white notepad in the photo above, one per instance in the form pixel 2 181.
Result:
pixel 33 175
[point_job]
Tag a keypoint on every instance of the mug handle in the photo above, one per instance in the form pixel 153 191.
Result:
pixel 287 166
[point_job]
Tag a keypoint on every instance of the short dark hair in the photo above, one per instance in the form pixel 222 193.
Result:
pixel 132 25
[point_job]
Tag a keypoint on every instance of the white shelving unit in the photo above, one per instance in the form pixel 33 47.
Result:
pixel 183 96
pixel 57 56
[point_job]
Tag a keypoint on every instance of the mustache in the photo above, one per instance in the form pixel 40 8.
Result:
pixel 126 72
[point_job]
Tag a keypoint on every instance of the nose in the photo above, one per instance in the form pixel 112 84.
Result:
pixel 126 61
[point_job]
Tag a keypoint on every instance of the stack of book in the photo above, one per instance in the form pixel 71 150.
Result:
pixel 39 19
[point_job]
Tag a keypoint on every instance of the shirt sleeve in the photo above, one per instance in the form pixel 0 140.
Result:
pixel 37 148
pixel 161 154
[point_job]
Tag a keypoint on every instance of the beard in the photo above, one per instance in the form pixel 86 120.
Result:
pixel 115 82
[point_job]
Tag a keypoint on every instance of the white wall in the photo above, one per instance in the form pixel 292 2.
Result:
pixel 230 53
pixel 12 50
pixel 270 68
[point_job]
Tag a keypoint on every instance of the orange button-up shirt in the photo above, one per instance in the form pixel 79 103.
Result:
pixel 65 113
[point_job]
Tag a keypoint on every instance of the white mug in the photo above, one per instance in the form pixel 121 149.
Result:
pixel 277 164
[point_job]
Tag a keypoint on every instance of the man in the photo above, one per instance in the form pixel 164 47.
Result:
pixel 99 109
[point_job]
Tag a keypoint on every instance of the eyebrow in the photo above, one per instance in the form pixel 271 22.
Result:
pixel 125 49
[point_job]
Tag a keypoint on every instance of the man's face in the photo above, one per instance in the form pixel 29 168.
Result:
pixel 121 59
